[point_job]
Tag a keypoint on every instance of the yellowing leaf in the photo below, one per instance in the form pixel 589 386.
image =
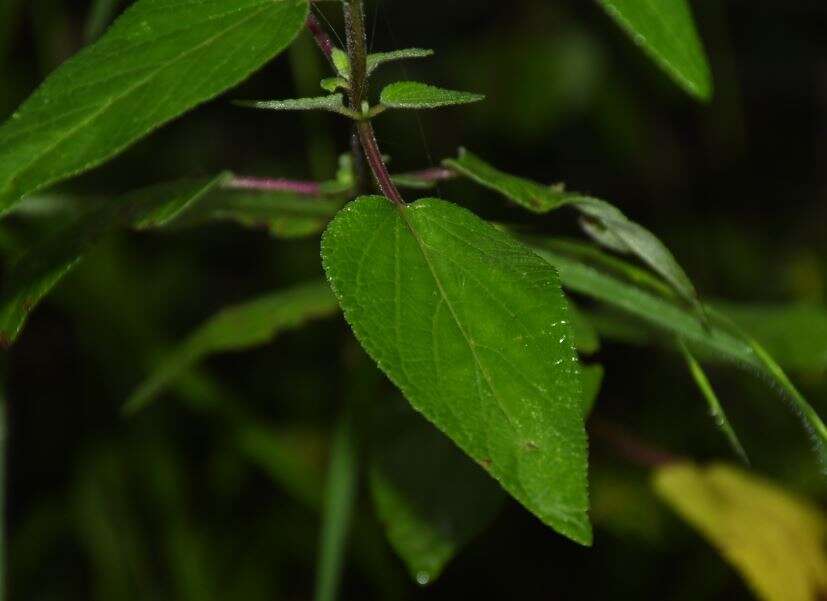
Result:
pixel 774 539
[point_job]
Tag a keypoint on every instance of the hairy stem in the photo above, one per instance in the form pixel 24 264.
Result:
pixel 357 55
pixel 323 40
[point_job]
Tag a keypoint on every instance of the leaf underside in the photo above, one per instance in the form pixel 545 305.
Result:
pixel 429 496
pixel 157 61
pixel 666 31
pixel 473 328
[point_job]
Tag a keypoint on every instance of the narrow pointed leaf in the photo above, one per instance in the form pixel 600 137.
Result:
pixel 430 497
pixel 774 539
pixel 414 95
pixel 340 500
pixel 473 328
pixel 666 31
pixel 712 339
pixel 159 60
pixel 378 59
pixel 238 328
pixel 716 410
pixel 524 192
pixel 333 103
pixel 607 224
pixel 795 334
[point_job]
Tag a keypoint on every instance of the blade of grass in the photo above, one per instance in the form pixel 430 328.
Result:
pixel 340 496
pixel 716 410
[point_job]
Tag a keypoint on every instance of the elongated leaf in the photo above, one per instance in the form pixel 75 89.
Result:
pixel 472 327
pixel 795 334
pixel 414 95
pixel 604 222
pixel 158 60
pixel 333 103
pixel 340 498
pixel 526 193
pixel 238 328
pixel 41 268
pixel 430 497
pixel 709 339
pixel 775 540
pixel 716 410
pixel 285 215
pixel 378 59
pixel 665 30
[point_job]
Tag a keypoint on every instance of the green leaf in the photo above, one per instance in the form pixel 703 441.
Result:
pixel 592 381
pixel 607 224
pixel 378 59
pixel 526 193
pixel 334 84
pixel 333 103
pixel 775 540
pixel 716 410
pixel 710 339
pixel 35 273
pixel 473 328
pixel 796 334
pixel 158 60
pixel 429 496
pixel 414 95
pixel 340 499
pixel 665 30
pixel 341 62
pixel 238 328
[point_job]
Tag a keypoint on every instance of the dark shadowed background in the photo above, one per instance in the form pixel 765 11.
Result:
pixel 183 501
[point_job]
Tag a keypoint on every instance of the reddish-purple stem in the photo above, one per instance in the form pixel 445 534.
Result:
pixel 320 35
pixel 263 184
pixel 628 446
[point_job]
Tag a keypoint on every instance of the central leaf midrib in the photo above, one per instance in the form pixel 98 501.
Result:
pixel 477 362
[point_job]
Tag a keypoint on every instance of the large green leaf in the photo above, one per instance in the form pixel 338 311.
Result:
pixel 158 60
pixel 238 328
pixel 604 222
pixel 430 497
pixel 665 30
pixel 473 328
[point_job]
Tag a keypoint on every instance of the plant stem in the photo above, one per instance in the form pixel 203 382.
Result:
pixel 320 35
pixel 628 446
pixel 357 55
pixel 263 184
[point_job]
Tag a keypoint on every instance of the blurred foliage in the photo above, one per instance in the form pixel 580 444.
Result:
pixel 216 491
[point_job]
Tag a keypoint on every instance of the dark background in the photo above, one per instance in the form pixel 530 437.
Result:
pixel 172 504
